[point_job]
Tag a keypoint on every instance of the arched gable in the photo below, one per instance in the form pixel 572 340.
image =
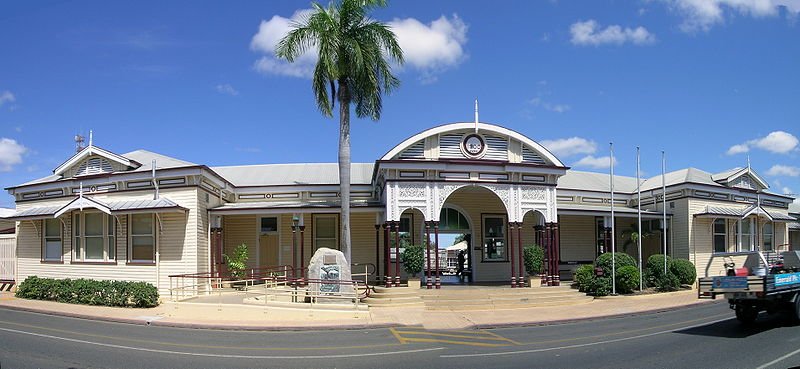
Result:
pixel 448 142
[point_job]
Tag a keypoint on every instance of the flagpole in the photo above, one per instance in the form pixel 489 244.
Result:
pixel 613 245
pixel 639 216
pixel 664 204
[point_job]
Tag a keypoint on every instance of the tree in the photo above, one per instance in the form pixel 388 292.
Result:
pixel 632 236
pixel 352 64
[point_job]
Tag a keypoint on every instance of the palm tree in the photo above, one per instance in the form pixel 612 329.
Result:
pixel 632 235
pixel 352 63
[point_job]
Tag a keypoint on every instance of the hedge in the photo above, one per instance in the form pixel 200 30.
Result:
pixel 583 277
pixel 89 292
pixel 413 259
pixel 684 270
pixel 534 259
pixel 620 258
pixel 627 279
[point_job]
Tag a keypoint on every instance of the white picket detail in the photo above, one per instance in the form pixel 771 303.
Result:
pixel 8 245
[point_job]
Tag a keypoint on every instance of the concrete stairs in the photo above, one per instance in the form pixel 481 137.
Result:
pixel 495 298
pixel 394 296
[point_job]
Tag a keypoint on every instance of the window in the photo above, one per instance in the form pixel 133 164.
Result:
pixel 94 237
pixel 325 231
pixel 52 240
pixel 745 235
pixel 768 237
pixel 269 224
pixel 600 239
pixel 494 238
pixel 143 238
pixel 720 235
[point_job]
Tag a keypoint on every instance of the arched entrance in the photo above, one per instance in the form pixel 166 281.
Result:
pixel 454 247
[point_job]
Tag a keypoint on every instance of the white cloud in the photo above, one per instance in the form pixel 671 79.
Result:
pixel 558 108
pixel 593 162
pixel 589 33
pixel 704 14
pixel 227 89
pixel 783 170
pixel 10 153
pixel 6 97
pixel 428 48
pixel 570 146
pixel 778 142
pixel 788 191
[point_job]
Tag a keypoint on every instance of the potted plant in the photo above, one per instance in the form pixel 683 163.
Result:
pixel 413 260
pixel 237 263
pixel 534 263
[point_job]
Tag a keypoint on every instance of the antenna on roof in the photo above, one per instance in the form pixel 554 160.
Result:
pixel 78 143
pixel 155 181
pixel 90 138
pixel 748 162
pixel 476 115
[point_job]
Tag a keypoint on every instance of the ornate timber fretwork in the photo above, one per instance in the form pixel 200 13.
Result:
pixel 430 197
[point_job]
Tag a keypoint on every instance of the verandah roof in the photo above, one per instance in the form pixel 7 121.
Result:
pixel 161 205
pixel 723 212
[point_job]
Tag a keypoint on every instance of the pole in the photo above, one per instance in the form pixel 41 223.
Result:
pixel 436 250
pixel 613 236
pixel 664 205
pixel 377 252
pixel 387 267
pixel 397 254
pixel 521 270
pixel 302 252
pixel 428 282
pixel 510 250
pixel 639 217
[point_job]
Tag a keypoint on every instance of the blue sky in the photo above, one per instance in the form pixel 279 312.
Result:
pixel 710 82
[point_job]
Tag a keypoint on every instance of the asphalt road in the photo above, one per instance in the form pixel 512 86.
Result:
pixel 704 336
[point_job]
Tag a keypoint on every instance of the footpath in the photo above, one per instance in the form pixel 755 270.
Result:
pixel 249 317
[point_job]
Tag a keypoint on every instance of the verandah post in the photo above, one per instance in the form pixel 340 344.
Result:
pixel 428 282
pixel 396 253
pixel 521 279
pixel 436 251
pixel 377 252
pixel 557 250
pixel 510 250
pixel 302 253
pixel 387 281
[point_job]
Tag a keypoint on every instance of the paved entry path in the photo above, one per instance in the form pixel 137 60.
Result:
pixel 228 316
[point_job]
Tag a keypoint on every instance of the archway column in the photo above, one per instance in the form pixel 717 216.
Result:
pixel 428 282
pixel 510 251
pixel 387 266
pixel 436 251
pixel 521 279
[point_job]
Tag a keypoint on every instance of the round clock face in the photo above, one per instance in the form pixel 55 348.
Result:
pixel 474 145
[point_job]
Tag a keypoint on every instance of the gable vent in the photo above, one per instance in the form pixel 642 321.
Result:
pixel 94 166
pixel 530 156
pixel 415 151
pixel 449 146
pixel 496 148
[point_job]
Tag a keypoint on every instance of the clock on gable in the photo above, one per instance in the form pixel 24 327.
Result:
pixel 473 146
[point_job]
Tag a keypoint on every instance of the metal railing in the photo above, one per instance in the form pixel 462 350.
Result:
pixel 274 283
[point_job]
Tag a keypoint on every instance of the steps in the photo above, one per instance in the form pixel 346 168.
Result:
pixel 395 296
pixel 475 298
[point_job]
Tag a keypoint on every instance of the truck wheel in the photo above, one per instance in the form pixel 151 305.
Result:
pixel 796 310
pixel 746 314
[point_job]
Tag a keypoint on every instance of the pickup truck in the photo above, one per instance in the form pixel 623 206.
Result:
pixel 763 282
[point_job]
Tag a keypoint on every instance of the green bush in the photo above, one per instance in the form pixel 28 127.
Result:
pixel 599 286
pixel 654 269
pixel 413 259
pixel 622 259
pixel 583 277
pixel 534 259
pixel 627 279
pixel 684 270
pixel 666 282
pixel 89 292
pixel 237 263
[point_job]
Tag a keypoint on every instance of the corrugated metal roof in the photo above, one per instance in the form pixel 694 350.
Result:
pixel 146 204
pixel 606 209
pixel 592 181
pixel 724 175
pixel 87 202
pixel 794 225
pixel 293 174
pixel 36 212
pixel 741 212
pixel 692 175
pixel 4 212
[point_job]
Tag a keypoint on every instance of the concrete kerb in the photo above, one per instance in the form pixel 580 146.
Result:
pixel 254 326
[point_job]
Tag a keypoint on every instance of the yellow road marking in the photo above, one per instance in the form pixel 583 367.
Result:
pixel 200 346
pixel 453 342
pixel 397 335
pixel 503 338
pixel 476 337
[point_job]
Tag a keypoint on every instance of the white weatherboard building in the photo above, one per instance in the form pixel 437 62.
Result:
pixel 105 215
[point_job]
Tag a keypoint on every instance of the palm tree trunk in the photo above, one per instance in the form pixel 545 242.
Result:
pixel 344 167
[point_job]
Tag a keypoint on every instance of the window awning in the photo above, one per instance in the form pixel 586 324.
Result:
pixel 733 213
pixel 161 205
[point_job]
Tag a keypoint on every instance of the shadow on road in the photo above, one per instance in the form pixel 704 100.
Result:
pixel 731 328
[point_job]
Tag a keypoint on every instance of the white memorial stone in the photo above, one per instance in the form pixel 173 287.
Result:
pixel 329 265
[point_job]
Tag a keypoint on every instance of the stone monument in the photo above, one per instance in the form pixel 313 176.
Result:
pixel 329 265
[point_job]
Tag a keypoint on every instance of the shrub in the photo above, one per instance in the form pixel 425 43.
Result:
pixel 89 292
pixel 684 270
pixel 534 259
pixel 622 259
pixel 627 279
pixel 666 282
pixel 413 259
pixel 237 262
pixel 599 286
pixel 583 277
pixel 654 268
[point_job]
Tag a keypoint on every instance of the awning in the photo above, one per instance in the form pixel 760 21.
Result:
pixel 266 207
pixel 161 205
pixel 733 213
pixel 794 226
pixel 619 211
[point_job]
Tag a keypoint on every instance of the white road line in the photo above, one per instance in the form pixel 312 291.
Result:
pixel 228 356
pixel 782 358
pixel 582 344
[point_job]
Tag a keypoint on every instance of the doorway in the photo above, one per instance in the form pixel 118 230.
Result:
pixel 268 242
pixel 454 248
